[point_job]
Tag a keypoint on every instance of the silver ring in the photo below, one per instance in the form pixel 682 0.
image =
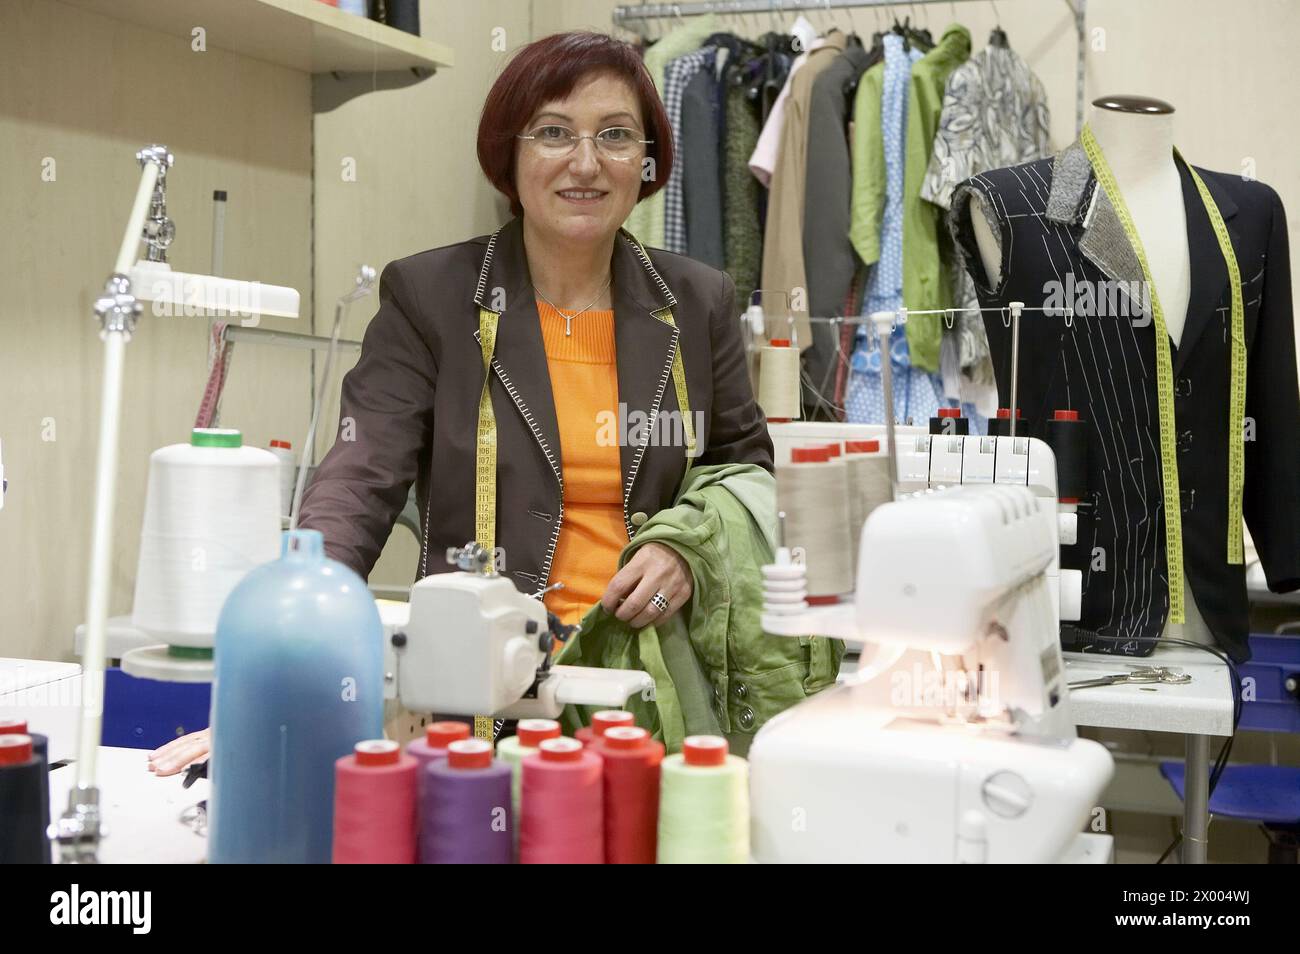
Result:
pixel 660 602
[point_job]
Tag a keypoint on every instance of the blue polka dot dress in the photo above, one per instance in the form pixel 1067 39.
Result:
pixel 917 395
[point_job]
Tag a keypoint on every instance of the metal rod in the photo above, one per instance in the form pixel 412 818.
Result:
pixel 218 232
pixel 868 319
pixel 126 252
pixel 79 828
pixel 659 11
pixel 1016 308
pixel 287 339
pixel 218 261
pixel 1196 801
pixel 365 281
pixel 1080 8
pixel 101 547
pixel 884 324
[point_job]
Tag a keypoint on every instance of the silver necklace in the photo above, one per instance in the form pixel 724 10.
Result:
pixel 568 319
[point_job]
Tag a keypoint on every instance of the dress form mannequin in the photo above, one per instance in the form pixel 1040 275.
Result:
pixel 1136 137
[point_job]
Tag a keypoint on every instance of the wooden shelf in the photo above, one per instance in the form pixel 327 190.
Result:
pixel 305 35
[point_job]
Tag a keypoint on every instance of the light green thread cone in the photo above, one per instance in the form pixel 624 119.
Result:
pixel 512 753
pixel 704 812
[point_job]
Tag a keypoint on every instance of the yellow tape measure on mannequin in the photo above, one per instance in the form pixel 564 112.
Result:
pixel 1237 379
pixel 1165 380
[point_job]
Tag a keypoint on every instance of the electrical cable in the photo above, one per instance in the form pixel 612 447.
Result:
pixel 364 282
pixel 308 445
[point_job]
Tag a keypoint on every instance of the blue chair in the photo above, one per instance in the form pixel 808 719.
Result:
pixel 147 713
pixel 1268 794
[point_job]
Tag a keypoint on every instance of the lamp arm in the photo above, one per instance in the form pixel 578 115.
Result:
pixel 78 831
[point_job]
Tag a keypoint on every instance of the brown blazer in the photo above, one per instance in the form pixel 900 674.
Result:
pixel 409 407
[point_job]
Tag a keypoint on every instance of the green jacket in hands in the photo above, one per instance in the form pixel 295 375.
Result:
pixel 715 671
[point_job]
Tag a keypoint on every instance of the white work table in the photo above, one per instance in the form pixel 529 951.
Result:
pixel 1200 707
pixel 1197 710
pixel 47 696
pixel 141 812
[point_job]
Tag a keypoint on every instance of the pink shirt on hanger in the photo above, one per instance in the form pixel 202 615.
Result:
pixel 763 162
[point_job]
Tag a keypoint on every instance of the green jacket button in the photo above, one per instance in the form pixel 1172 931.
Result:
pixel 741 690
pixel 639 518
pixel 746 718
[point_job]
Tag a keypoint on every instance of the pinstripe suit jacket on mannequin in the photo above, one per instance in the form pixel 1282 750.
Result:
pixel 1060 236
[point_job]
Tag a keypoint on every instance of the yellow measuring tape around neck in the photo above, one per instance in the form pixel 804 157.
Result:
pixel 679 374
pixel 485 443
pixel 679 385
pixel 1165 377
pixel 485 472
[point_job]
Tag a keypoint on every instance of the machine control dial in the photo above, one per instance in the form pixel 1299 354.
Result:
pixel 1007 794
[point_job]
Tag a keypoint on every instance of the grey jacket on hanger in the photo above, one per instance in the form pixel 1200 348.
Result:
pixel 829 259
pixel 702 168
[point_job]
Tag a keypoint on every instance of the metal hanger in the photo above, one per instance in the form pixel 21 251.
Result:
pixel 998 37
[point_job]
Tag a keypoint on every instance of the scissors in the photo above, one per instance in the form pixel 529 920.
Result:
pixel 1139 676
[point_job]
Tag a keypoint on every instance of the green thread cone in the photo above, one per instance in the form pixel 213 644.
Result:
pixel 704 812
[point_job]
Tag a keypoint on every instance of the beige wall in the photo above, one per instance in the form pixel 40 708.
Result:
pixel 86 92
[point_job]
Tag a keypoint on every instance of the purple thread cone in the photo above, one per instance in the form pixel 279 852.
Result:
pixel 465 815
pixel 425 755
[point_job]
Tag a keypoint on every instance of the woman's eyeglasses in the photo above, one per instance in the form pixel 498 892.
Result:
pixel 617 142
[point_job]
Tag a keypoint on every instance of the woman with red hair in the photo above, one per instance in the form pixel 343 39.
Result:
pixel 592 333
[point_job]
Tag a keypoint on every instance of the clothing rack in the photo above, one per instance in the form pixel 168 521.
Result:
pixel 642 12
pixel 886 321
pixel 900 316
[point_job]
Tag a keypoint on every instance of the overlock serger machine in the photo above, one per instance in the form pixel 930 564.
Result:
pixel 953 742
pixel 470 643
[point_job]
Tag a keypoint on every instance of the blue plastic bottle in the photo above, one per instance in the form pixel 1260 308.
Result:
pixel 298 681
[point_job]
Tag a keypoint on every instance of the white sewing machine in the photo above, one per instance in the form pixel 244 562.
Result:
pixel 470 643
pixel 954 742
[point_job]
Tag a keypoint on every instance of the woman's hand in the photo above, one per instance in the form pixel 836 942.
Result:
pixel 179 753
pixel 654 568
